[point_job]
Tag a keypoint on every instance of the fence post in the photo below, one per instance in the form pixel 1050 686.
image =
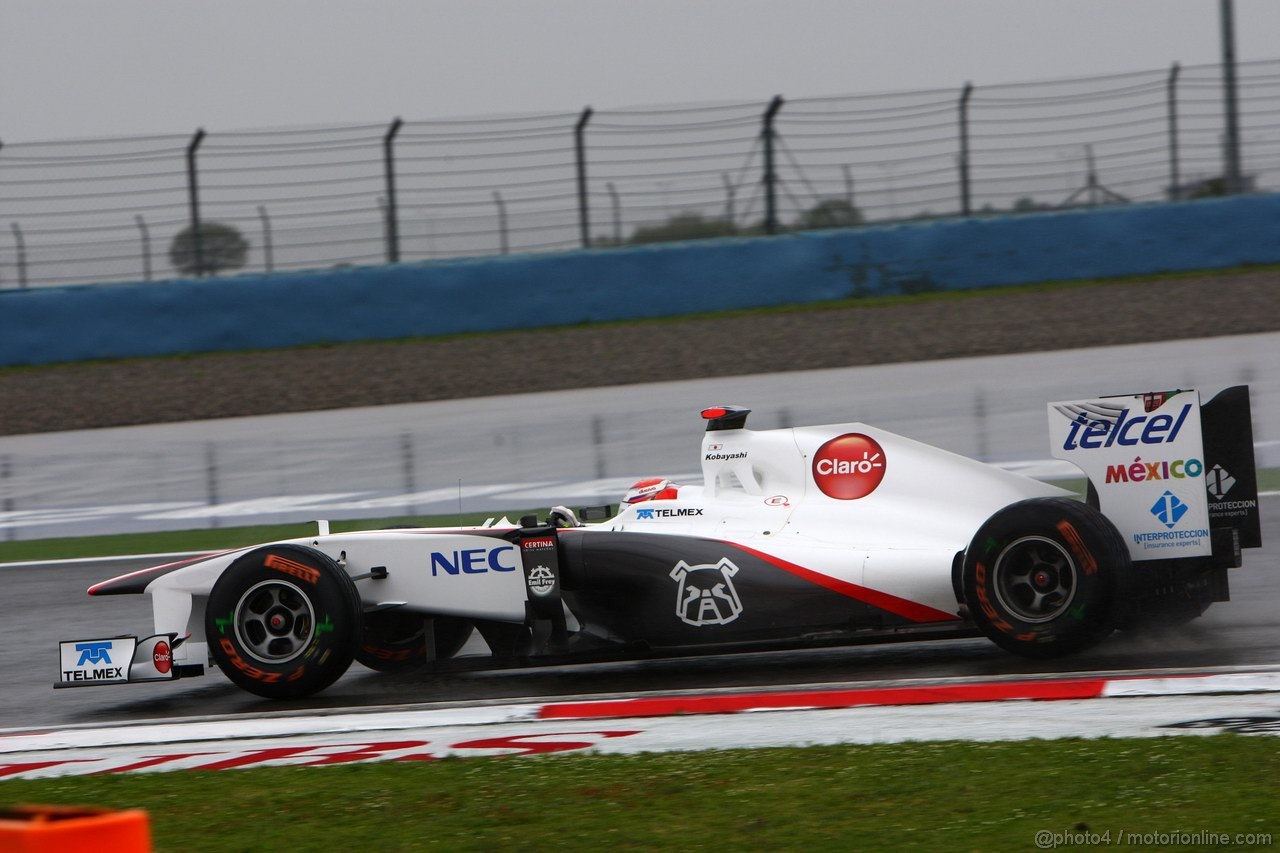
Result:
pixel 146 246
pixel 502 222
pixel 1229 106
pixel 770 174
pixel 1175 187
pixel 728 199
pixel 268 260
pixel 22 255
pixel 580 150
pixel 615 204
pixel 389 165
pixel 964 148
pixel 193 192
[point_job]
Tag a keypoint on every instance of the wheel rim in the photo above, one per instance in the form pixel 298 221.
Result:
pixel 1035 579
pixel 274 621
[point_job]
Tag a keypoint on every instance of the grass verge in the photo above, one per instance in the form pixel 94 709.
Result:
pixel 930 796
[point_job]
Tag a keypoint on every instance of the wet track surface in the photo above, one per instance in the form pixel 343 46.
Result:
pixel 43 605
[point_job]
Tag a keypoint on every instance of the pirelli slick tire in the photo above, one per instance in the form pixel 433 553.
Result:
pixel 1046 577
pixel 283 621
pixel 395 640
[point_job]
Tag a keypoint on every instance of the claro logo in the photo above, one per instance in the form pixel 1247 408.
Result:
pixel 849 467
pixel 162 657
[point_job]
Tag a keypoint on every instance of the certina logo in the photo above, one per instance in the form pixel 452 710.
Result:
pixel 650 513
pixel 723 457
pixel 1168 509
pixel 541 580
pixel 91 653
pixel 1219 482
pixel 1093 430
pixel 542 543
pixel 705 595
pixel 849 467
pixel 473 561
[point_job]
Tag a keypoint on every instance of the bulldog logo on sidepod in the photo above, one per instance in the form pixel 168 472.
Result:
pixel 706 595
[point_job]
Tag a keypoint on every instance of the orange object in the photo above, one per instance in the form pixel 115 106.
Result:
pixel 73 829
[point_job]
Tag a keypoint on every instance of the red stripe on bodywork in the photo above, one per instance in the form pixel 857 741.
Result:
pixel 1084 688
pixel 907 609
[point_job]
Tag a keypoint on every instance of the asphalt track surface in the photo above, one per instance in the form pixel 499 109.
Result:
pixel 45 604
pixel 577 447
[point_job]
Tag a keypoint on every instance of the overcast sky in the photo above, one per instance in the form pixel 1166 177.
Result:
pixel 87 68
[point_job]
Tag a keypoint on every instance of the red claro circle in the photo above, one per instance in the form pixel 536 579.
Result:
pixel 161 657
pixel 849 467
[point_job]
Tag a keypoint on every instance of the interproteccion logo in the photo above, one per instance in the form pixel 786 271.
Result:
pixel 1219 482
pixel 1168 509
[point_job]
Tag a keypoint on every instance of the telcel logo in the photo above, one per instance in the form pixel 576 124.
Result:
pixel 849 467
pixel 1127 431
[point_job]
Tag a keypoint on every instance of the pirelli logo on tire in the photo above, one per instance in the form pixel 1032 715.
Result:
pixel 1076 543
pixel 291 567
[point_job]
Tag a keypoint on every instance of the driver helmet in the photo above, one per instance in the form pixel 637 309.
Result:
pixel 653 489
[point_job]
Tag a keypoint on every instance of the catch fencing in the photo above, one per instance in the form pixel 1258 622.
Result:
pixel 101 210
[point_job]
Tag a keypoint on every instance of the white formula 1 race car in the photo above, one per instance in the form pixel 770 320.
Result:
pixel 806 537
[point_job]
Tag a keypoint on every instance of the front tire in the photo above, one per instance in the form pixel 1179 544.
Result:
pixel 1046 577
pixel 283 621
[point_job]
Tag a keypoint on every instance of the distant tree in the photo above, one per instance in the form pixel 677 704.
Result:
pixel 1207 188
pixel 1027 204
pixel 830 213
pixel 222 248
pixel 683 226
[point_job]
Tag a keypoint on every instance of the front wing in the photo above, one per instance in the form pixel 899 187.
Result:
pixel 117 660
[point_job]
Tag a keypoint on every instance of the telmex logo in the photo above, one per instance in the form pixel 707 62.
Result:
pixel 684 512
pixel 473 561
pixel 91 653
pixel 1091 434
pixel 849 467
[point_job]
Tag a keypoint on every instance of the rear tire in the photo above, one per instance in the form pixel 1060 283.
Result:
pixel 1046 577
pixel 395 640
pixel 283 621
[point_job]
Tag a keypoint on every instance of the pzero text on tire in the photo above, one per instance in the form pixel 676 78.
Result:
pixel 396 640
pixel 1046 576
pixel 283 621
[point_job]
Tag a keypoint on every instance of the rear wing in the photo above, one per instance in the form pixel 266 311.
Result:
pixel 1173 475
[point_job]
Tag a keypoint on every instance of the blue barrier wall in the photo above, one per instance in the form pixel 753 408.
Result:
pixel 47 325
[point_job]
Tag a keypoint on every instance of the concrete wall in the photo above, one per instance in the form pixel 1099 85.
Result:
pixel 48 325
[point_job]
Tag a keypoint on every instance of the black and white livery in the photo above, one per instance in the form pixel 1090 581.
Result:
pixel 804 537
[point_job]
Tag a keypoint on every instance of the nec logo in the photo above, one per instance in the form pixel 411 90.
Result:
pixel 1126 431
pixel 667 513
pixel 473 561
pixel 91 653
